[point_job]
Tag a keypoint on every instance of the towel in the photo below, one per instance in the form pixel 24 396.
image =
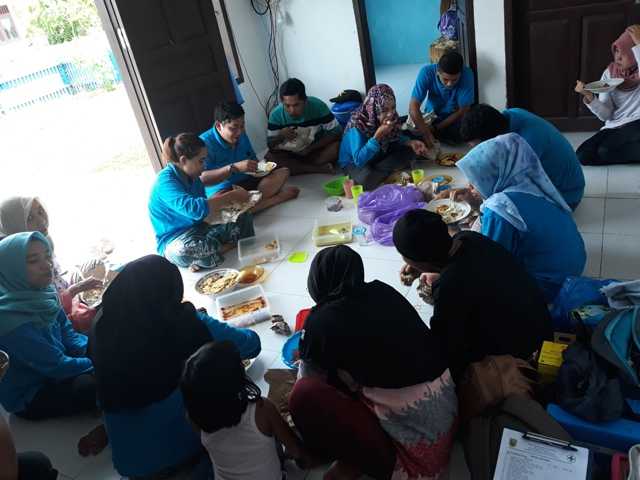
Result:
pixel 622 294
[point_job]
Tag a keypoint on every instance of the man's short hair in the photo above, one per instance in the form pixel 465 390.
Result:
pixel 227 112
pixel 483 122
pixel 292 87
pixel 451 62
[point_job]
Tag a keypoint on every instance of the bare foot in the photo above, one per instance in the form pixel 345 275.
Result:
pixel 194 268
pixel 289 193
pixel 93 442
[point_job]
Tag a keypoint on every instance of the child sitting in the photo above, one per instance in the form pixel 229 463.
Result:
pixel 237 425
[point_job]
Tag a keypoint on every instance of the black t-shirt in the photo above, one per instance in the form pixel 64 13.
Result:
pixel 485 303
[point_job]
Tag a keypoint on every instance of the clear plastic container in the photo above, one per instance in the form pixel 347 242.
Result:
pixel 225 305
pixel 332 232
pixel 258 249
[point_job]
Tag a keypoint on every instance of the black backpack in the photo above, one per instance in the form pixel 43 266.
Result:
pixel 483 434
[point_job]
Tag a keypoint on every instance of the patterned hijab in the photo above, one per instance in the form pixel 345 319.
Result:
pixel 20 303
pixel 624 44
pixel 365 117
pixel 508 164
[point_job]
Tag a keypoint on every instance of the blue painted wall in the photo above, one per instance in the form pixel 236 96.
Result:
pixel 402 30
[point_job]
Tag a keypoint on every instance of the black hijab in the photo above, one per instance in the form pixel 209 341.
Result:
pixel 145 334
pixel 367 329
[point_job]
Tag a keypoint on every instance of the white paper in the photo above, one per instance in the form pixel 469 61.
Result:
pixel 523 459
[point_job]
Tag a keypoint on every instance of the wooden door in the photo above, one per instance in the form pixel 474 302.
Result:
pixel 466 33
pixel 180 59
pixel 556 42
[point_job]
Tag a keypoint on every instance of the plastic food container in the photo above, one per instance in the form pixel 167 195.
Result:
pixel 260 311
pixel 333 204
pixel 258 249
pixel 332 232
pixel 334 187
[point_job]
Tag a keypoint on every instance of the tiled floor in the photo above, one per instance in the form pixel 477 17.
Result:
pixel 609 219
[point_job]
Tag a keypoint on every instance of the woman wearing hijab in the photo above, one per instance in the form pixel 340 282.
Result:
pixel 524 212
pixel 50 374
pixel 384 404
pixel 27 214
pixel 372 147
pixel 619 140
pixel 139 346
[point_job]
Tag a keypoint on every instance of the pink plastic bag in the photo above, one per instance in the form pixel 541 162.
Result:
pixel 386 199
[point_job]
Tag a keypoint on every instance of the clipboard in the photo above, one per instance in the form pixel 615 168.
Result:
pixel 531 456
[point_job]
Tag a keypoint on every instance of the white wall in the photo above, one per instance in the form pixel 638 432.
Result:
pixel 490 48
pixel 251 40
pixel 319 45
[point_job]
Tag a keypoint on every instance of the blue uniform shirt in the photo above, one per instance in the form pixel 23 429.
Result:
pixel 556 154
pixel 220 154
pixel 147 440
pixel 442 100
pixel 40 355
pixel 177 203
pixel 550 250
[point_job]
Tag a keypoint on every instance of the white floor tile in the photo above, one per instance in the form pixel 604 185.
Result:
pixel 595 181
pixel 424 310
pixel 622 217
pixel 589 215
pixel 593 245
pixel 100 467
pixel 577 138
pixel 620 258
pixel 260 366
pixel 56 438
pixel 286 305
pixel 624 181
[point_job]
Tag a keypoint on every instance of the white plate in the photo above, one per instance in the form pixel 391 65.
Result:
pixel 264 169
pixel 463 208
pixel 219 272
pixel 603 86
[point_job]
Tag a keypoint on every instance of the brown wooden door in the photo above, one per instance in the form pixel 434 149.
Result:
pixel 556 42
pixel 179 55
pixel 466 32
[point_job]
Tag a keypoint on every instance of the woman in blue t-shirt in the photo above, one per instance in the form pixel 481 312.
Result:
pixel 523 211
pixel 179 206
pixel 50 374
pixel 139 346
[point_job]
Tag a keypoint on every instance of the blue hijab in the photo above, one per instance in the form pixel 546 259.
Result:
pixel 20 303
pixel 508 164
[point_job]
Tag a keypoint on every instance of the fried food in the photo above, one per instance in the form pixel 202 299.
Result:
pixel 243 308
pixel 272 245
pixel 449 159
pixel 217 283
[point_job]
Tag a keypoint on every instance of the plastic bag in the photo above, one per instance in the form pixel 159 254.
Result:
pixel 576 292
pixel 382 228
pixel 448 24
pixel 386 199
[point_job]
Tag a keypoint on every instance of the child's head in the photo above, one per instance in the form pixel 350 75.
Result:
pixel 187 151
pixel 215 387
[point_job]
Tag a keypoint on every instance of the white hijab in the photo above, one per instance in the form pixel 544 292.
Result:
pixel 14 212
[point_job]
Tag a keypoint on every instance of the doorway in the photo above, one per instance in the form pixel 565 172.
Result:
pixel 551 44
pixel 396 40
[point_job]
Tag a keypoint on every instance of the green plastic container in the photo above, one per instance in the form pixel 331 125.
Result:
pixel 335 187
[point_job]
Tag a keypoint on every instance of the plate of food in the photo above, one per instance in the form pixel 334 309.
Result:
pixel 604 86
pixel 250 275
pixel 451 212
pixel 264 169
pixel 218 281
pixel 449 159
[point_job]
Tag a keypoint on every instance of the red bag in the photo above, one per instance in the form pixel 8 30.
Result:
pixel 301 317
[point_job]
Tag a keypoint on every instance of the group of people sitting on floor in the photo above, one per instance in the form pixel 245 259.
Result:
pixel 168 378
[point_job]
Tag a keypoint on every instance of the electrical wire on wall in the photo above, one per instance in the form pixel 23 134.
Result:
pixel 268 8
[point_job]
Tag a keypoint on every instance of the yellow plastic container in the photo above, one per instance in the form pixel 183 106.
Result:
pixel 550 360
pixel 417 176
pixel 356 191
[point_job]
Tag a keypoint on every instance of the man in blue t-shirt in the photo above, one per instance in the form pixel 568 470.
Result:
pixel 556 154
pixel 231 161
pixel 449 91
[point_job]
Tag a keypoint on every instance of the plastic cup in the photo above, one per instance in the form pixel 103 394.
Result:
pixel 356 191
pixel 417 176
